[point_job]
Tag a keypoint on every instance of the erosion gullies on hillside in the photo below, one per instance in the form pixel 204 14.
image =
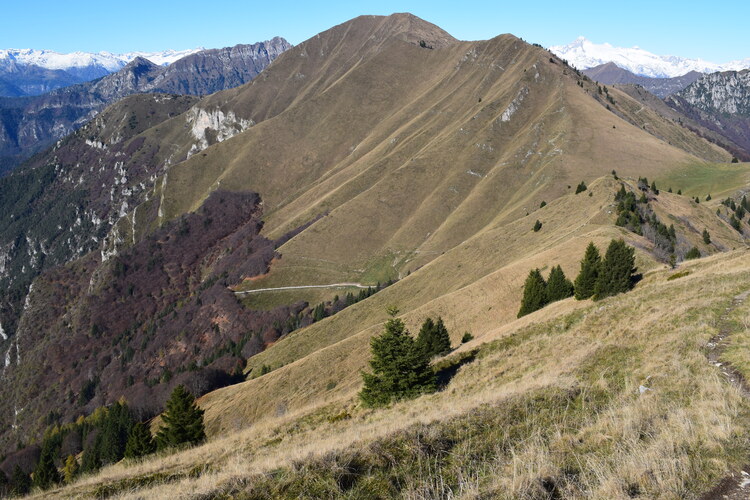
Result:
pixel 30 124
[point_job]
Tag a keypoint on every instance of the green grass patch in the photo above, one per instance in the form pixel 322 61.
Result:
pixel 675 276
pixel 700 179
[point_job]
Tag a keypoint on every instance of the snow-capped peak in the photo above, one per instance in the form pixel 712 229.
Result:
pixel 583 54
pixel 111 62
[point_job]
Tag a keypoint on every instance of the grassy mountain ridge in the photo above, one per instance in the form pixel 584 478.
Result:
pixel 396 159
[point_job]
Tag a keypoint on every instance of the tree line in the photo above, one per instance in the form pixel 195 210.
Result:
pixel 597 278
pixel 111 434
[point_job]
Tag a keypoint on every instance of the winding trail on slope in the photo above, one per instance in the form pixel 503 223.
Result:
pixel 735 486
pixel 300 287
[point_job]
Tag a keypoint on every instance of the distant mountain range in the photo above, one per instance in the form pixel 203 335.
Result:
pixel 28 72
pixel 29 124
pixel 584 54
pixel 611 74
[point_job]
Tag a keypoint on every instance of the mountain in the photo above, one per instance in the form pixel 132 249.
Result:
pixel 611 74
pixel 720 102
pixel 584 54
pixel 222 240
pixel 30 124
pixel 29 72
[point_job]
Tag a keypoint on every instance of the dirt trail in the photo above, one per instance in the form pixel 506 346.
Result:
pixel 333 285
pixel 735 486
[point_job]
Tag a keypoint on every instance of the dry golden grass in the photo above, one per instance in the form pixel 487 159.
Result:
pixel 671 441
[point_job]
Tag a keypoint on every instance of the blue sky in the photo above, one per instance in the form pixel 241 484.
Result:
pixel 688 29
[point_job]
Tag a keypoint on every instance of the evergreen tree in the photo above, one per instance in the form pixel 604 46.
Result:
pixel 534 293
pixel 45 474
pixel 537 226
pixel 20 482
pixel 559 287
pixel 182 420
pixel 140 442
pixel 679 191
pixel 590 268
pixel 4 484
pixel 92 455
pixel 693 253
pixel 115 430
pixel 433 339
pixel 708 198
pixel 706 237
pixel 654 189
pixel 735 223
pixel 399 369
pixel 70 471
pixel 581 187
pixel 617 270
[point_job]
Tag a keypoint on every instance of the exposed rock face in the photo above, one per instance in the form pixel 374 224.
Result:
pixel 30 124
pixel 727 92
pixel 720 102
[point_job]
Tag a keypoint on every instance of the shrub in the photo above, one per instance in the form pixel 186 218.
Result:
pixel 693 253
pixel 537 226
pixel 580 188
pixel 468 337
pixel 706 237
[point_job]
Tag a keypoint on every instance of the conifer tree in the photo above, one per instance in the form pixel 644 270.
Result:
pixel 581 187
pixel 433 338
pixel 70 470
pixel 590 268
pixel 399 369
pixel 559 287
pixel 20 482
pixel 534 293
pixel 617 270
pixel 706 237
pixel 537 226
pixel 693 253
pixel 4 484
pixel 182 420
pixel 114 434
pixel 140 442
pixel 45 474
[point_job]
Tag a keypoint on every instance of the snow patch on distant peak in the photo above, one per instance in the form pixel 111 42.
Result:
pixel 584 54
pixel 50 59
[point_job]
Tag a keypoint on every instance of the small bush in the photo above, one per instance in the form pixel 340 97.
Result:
pixel 537 226
pixel 675 276
pixel 693 253
pixel 468 337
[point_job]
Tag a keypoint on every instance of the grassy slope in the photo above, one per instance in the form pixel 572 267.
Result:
pixel 511 418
